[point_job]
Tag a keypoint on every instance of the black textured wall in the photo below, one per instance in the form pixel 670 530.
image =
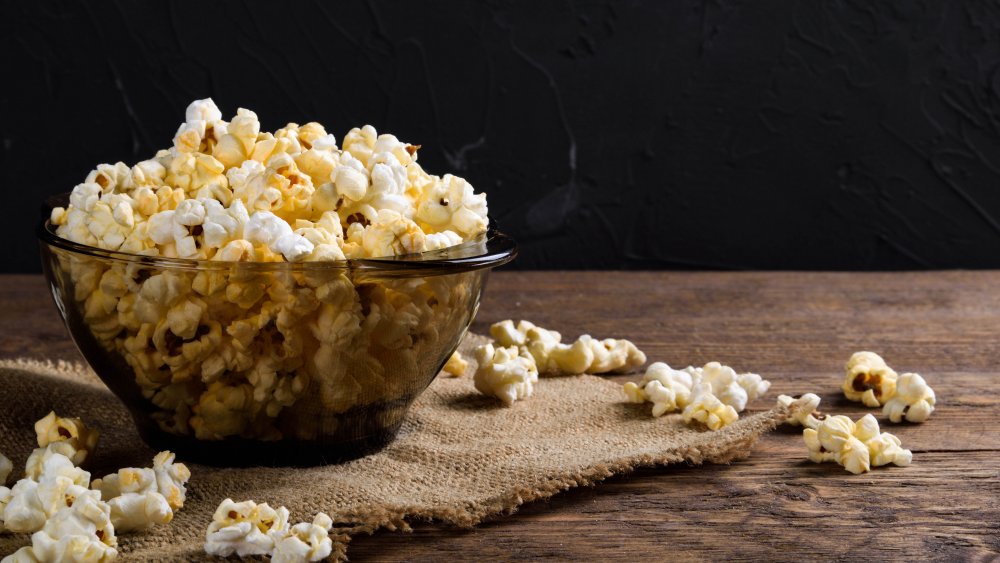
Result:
pixel 723 134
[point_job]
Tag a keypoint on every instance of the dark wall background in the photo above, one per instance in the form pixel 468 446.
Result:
pixel 682 134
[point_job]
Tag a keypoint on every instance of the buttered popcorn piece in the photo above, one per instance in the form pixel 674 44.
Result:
pixel 143 497
pixel 707 409
pixel 914 400
pixel 585 355
pixel 305 541
pixel 455 366
pixel 53 428
pixel 804 410
pixel 245 528
pixel 504 373
pixel 868 379
pixel 855 446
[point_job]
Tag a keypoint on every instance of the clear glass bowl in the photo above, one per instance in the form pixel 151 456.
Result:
pixel 240 363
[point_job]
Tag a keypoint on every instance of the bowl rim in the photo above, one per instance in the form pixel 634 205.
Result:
pixel 488 250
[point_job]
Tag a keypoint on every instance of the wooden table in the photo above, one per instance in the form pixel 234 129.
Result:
pixel 797 329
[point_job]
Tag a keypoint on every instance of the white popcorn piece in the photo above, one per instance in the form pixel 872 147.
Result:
pixel 304 542
pixel 455 366
pixel 139 511
pixel 855 446
pixel 668 389
pixel 914 400
pixel 23 555
pixel 5 468
pixel 268 229
pixel 82 532
pixel 504 373
pixel 451 204
pixel 245 528
pixel 55 459
pixel 707 409
pixel 53 428
pixel 392 234
pixel 804 410
pixel 202 110
pixel 868 379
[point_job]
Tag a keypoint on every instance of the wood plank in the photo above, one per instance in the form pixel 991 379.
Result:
pixel 797 329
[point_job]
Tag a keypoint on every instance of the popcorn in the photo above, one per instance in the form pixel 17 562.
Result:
pixel 707 409
pixel 504 373
pixel 868 379
pixel 142 497
pixel 80 532
pixel 245 528
pixel 305 542
pixel 855 446
pixel 668 389
pixel 455 366
pixel 73 431
pixel 804 410
pixel 230 350
pixel 914 400
pixel 585 355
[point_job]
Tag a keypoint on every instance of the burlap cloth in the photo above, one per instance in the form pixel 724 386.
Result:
pixel 459 458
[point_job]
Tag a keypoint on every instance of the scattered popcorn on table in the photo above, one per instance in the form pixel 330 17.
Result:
pixel 238 352
pixel 805 413
pixel 914 400
pixel 722 393
pixel 868 379
pixel 505 373
pixel 585 355
pixel 855 446
pixel 52 429
pixel 456 365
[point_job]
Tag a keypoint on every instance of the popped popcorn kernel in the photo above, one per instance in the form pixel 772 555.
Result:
pixel 73 431
pixel 504 373
pixel 914 400
pixel 855 446
pixel 707 409
pixel 869 379
pixel 804 410
pixel 455 366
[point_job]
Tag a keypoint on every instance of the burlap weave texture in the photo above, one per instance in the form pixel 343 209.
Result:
pixel 459 458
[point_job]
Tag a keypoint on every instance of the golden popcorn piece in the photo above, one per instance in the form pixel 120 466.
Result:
pixel 707 409
pixel 868 379
pixel 53 428
pixel 455 366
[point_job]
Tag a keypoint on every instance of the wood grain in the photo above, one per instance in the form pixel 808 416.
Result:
pixel 797 329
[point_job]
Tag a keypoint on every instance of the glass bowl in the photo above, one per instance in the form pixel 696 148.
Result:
pixel 243 363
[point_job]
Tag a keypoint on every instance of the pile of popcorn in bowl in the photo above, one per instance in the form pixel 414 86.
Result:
pixel 246 285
